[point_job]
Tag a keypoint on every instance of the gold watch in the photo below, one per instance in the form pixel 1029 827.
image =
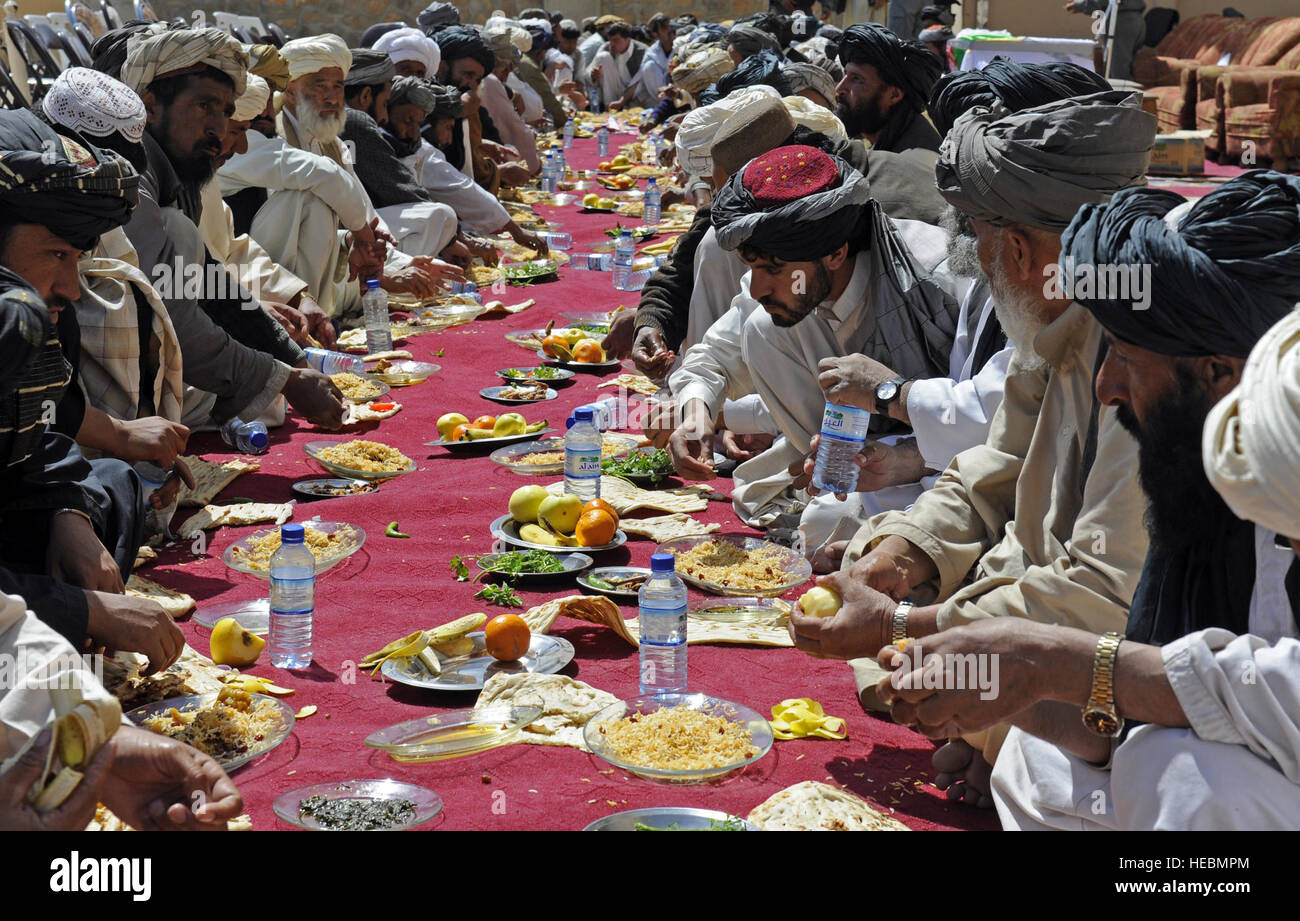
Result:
pixel 898 633
pixel 1099 715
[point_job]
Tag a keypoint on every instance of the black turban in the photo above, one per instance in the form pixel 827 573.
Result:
pixel 76 190
pixel 1218 280
pixel 908 65
pixel 748 39
pixel 1016 86
pixel 458 42
pixel 370 68
pixel 437 16
pixel 762 69
pixel 433 98
pixel 108 53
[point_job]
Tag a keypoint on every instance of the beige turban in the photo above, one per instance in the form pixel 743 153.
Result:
pixel 814 117
pixel 1251 443
pixel 155 53
pixel 309 55
pixel 253 102
pixel 700 126
pixel 269 64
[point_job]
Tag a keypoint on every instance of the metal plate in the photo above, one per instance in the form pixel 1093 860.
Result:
pixel 572 563
pixel 427 803
pixel 561 375
pixel 382 385
pixel 546 655
pixel 795 569
pixel 494 394
pixel 593 367
pixel 314 489
pixel 506 530
pixel 606 572
pixel 661 817
pixel 466 446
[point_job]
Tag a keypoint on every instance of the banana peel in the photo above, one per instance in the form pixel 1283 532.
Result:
pixel 81 728
pixel 481 434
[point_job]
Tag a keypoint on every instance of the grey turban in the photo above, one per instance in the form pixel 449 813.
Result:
pixel 370 68
pixel 810 77
pixel 751 40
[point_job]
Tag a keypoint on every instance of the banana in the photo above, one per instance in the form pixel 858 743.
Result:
pixel 461 646
pixel 535 427
pixel 455 629
pixel 429 659
pixel 57 790
pixel 535 534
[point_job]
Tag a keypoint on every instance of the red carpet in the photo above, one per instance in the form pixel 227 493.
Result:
pixel 392 587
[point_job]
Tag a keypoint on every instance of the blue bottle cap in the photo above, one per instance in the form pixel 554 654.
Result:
pixel 663 562
pixel 584 414
pixel 568 423
pixel 627 232
pixel 372 284
pixel 258 440
pixel 652 181
pixel 291 534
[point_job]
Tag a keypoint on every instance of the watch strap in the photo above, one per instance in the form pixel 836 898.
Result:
pixel 1100 714
pixel 898 633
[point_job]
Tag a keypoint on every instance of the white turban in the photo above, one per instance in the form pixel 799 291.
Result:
pixel 1251 443
pixel 701 126
pixel 411 45
pixel 253 102
pixel 154 53
pixel 520 37
pixel 309 55
pixel 94 103
pixel 814 117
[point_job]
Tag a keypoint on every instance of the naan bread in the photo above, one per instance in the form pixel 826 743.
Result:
pixel 192 673
pixel 498 309
pixel 243 513
pixel 625 497
pixel 356 413
pixel 637 383
pixel 595 609
pixel 566 705
pixel 144 555
pixel 390 355
pixel 814 806
pixel 210 479
pixel 177 604
pixel 666 527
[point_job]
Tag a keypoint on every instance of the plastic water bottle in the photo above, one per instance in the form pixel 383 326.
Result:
pixel 844 431
pixel 548 172
pixel 293 600
pixel 568 133
pixel 602 142
pixel 327 362
pixel 624 253
pixel 652 214
pixel 605 413
pixel 245 437
pixel 374 306
pixel 637 280
pixel 560 166
pixel 662 604
pixel 557 239
pixel 592 262
pixel 464 287
pixel 582 456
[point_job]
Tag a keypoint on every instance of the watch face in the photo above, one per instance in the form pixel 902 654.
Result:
pixel 887 391
pixel 1102 722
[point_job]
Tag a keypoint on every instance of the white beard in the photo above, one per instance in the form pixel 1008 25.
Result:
pixel 317 127
pixel 1017 312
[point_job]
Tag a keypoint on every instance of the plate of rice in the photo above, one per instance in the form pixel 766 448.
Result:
pixel 330 542
pixel 546 456
pixel 359 459
pixel 358 389
pixel 231 726
pixel 733 564
pixel 678 738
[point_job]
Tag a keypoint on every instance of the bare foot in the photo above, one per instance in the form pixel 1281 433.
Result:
pixel 829 557
pixel 963 773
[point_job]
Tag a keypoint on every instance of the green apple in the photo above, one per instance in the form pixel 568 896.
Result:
pixel 820 602
pixel 524 503
pixel 572 335
pixel 448 422
pixel 509 424
pixel 561 512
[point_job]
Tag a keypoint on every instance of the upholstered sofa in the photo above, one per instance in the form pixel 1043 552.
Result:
pixel 1251 112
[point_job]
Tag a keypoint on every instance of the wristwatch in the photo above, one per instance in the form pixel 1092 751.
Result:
pixel 899 630
pixel 888 393
pixel 1099 715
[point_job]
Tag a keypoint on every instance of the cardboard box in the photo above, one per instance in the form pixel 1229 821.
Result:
pixel 1181 153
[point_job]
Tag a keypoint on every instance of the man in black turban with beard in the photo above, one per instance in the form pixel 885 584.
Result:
pixel 887 81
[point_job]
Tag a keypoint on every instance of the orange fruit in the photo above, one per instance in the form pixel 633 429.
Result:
pixel 507 637
pixel 483 422
pixel 556 347
pixel 588 352
pixel 458 433
pixel 596 528
pixel 602 505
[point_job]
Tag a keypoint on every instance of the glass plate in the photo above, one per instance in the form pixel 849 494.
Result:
pixel 322 565
pixel 454 734
pixel 749 611
pixel 572 563
pixel 283 727
pixel 507 457
pixel 546 655
pixel 613 572
pixel 313 449
pixel 403 372
pixel 427 803
pixel 661 817
pixel 506 530
pixel 322 488
pixel 253 614
pixel 525 374
pixel 382 385
pixel 599 318
pixel 760 733
pixel 794 569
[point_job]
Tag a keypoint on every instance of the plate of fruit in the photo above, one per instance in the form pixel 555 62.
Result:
pixel 593 202
pixel 619 164
pixel 457 432
pixel 541 520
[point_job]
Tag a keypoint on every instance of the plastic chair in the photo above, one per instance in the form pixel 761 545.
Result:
pixel 372 33
pixel 144 10
pixel 278 36
pixel 81 15
pixel 42 69
pixel 110 14
pixel 10 97
pixel 239 33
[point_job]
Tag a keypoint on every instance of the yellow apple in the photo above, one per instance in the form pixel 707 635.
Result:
pixel 231 644
pixel 509 424
pixel 820 602
pixel 449 422
pixel 524 502
pixel 561 512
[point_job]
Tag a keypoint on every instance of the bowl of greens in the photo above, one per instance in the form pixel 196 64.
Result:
pixel 646 466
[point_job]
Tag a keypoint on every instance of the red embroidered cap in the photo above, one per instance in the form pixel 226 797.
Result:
pixel 786 174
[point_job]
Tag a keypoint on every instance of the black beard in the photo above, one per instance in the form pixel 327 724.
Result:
pixel 861 120
pixel 820 288
pixel 1180 499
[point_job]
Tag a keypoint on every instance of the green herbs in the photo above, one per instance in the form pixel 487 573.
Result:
pixel 459 569
pixel 517 562
pixel 501 595
pixel 731 823
pixel 652 466
pixel 357 814
pixel 545 373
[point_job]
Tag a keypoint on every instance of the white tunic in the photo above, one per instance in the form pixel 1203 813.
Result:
pixel 512 127
pixel 477 208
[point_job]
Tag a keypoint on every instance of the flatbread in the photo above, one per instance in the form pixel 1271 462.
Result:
pixel 566 705
pixel 356 413
pixel 210 479
pixel 625 497
pixel 390 355
pixel 498 309
pixel 243 513
pixel 177 604
pixel 814 806
pixel 144 555
pixel 667 527
pixel 105 820
pixel 192 673
pixel 637 383
pixel 595 609
pixel 354 340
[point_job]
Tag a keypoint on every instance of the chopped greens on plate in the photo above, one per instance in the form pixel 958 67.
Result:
pixel 653 466
pixel 516 562
pixel 545 373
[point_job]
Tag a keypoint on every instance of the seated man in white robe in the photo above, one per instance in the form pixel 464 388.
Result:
pixel 1207 665
pixel 506 113
pixel 616 64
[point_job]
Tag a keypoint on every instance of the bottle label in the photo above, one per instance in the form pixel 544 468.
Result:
pixel 584 465
pixel 845 423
